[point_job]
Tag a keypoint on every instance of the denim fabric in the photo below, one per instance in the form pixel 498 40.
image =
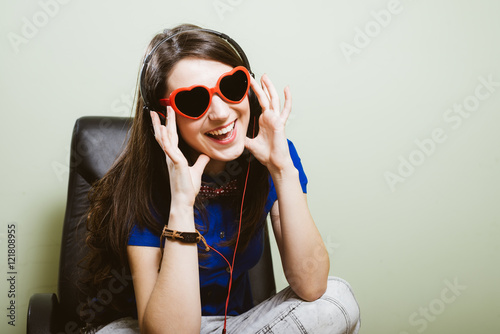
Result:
pixel 336 312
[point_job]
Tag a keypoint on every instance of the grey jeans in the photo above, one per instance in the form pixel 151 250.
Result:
pixel 336 312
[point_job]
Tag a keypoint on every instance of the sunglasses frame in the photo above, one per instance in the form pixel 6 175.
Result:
pixel 170 101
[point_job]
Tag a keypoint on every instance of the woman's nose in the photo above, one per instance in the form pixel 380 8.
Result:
pixel 219 110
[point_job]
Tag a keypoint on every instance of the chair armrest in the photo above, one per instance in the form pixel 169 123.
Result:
pixel 42 312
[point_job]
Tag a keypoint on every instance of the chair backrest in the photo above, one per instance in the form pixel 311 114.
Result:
pixel 96 143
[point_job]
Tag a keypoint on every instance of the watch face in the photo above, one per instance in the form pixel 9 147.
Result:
pixel 190 237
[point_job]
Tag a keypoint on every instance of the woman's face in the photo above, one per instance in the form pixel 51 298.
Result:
pixel 204 134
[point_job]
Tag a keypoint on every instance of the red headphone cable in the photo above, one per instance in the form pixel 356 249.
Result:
pixel 231 266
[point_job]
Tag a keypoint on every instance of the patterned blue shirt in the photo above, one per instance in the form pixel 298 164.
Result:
pixel 214 271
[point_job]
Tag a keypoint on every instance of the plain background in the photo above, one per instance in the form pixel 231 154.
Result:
pixel 370 91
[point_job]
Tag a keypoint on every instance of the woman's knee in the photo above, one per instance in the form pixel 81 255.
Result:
pixel 338 307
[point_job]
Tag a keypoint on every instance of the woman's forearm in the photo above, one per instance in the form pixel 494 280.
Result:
pixel 305 260
pixel 174 305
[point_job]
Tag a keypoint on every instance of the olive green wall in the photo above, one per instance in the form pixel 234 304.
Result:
pixel 396 115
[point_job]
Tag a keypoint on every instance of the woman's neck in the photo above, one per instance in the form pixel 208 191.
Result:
pixel 214 167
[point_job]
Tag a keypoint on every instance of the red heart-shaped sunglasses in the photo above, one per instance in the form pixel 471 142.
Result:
pixel 194 101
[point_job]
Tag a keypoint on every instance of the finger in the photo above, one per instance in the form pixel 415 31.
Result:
pixel 264 87
pixel 250 144
pixel 155 119
pixel 169 131
pixel 287 107
pixel 171 121
pixel 256 149
pixel 201 163
pixel 152 114
pixel 272 93
pixel 261 95
pixel 162 137
pixel 171 138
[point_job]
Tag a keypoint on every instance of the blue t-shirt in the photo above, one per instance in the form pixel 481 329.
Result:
pixel 214 270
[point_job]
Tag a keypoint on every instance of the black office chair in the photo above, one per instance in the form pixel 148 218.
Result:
pixel 96 143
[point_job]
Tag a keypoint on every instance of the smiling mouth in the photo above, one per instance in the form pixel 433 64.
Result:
pixel 222 133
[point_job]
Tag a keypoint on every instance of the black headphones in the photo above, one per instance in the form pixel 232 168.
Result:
pixel 225 37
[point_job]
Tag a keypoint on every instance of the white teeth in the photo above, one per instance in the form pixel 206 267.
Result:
pixel 222 131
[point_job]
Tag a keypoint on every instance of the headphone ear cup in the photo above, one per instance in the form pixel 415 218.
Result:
pixel 255 111
pixel 255 108
pixel 163 115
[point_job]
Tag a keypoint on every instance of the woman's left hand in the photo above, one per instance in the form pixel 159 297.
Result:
pixel 270 146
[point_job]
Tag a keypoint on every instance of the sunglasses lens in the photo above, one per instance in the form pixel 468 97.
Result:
pixel 193 103
pixel 235 86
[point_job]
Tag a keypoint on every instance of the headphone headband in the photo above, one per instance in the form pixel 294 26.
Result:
pixel 225 37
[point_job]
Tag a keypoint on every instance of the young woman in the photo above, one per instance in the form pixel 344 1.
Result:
pixel 196 182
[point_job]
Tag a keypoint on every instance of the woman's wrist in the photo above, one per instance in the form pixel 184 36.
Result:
pixel 182 201
pixel 284 173
pixel 181 218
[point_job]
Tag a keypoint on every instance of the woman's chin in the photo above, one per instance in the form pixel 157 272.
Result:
pixel 229 154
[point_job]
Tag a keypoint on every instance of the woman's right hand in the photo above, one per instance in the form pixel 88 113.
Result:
pixel 185 180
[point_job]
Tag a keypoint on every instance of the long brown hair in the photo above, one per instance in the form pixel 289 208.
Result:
pixel 136 190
